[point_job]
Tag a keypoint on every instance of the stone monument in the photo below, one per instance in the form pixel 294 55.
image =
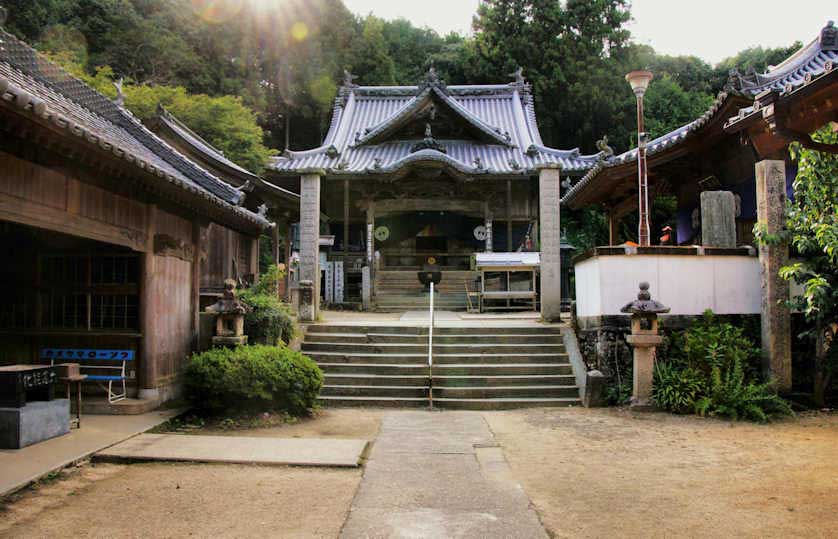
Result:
pixel 718 219
pixel 644 339
pixel 229 318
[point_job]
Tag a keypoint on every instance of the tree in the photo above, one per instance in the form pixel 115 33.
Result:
pixel 371 59
pixel 812 227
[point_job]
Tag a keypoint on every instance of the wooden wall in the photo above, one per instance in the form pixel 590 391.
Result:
pixel 222 247
pixel 171 322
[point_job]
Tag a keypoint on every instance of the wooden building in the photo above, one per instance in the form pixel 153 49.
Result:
pixel 412 173
pixel 104 227
pixel 226 256
pixel 739 145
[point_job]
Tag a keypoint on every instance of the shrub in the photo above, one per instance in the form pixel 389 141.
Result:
pixel 676 389
pixel 252 378
pixel 730 395
pixel 713 370
pixel 269 321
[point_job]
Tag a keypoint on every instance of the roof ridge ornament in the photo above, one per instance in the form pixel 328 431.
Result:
pixel 829 37
pixel 428 143
pixel 607 152
pixel 432 80
pixel 119 101
pixel 349 79
pixel 518 75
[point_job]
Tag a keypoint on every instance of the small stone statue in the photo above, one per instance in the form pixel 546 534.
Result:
pixel 428 133
pixel 229 320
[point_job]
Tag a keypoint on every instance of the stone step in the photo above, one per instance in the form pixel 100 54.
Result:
pixel 399 348
pixel 495 392
pixel 389 402
pixel 480 328
pixel 438 359
pixel 407 380
pixel 450 338
pixel 374 391
pixel 504 380
pixel 504 403
pixel 455 369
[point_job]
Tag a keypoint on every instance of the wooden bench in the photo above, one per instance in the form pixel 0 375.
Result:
pixel 107 365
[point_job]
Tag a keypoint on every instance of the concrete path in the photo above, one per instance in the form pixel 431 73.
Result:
pixel 238 450
pixel 439 474
pixel 19 467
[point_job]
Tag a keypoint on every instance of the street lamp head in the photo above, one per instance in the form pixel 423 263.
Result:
pixel 639 81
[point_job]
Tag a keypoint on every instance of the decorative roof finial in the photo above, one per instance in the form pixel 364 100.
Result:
pixel 349 79
pixel 120 97
pixel 829 37
pixel 262 210
pixel 428 132
pixel 518 74
pixel 432 80
pixel 602 145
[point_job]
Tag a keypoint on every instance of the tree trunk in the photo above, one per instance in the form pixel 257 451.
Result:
pixel 820 378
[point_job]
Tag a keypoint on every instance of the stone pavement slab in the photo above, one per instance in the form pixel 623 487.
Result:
pixel 439 474
pixel 238 450
pixel 19 467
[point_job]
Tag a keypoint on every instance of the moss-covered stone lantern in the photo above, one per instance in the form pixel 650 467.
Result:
pixel 229 317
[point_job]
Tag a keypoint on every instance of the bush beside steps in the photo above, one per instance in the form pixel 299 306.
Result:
pixel 254 378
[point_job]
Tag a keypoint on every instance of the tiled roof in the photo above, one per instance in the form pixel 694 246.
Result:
pixel 44 89
pixel 502 117
pixel 674 137
pixel 817 59
pixel 804 66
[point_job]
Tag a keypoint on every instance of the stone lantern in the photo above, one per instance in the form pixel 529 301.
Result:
pixel 229 318
pixel 644 339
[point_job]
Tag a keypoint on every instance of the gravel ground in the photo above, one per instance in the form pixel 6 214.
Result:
pixel 614 473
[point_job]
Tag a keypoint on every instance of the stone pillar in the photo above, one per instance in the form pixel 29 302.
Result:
pixel 487 219
pixel 371 243
pixel 310 242
pixel 718 219
pixel 550 240
pixel 509 245
pixel 776 318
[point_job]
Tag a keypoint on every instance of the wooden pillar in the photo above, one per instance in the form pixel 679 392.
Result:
pixel 550 241
pixel 509 245
pixel 288 246
pixel 254 258
pixel 345 216
pixel 310 240
pixel 776 317
pixel 147 370
pixel 613 230
pixel 196 281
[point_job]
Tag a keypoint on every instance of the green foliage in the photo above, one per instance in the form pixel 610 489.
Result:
pixel 730 395
pixel 812 229
pixel 712 370
pixel 269 320
pixel 676 389
pixel 253 378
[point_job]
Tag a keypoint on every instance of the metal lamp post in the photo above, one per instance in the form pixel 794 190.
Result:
pixel 639 81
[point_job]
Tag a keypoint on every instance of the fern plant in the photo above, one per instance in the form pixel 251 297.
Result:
pixel 676 389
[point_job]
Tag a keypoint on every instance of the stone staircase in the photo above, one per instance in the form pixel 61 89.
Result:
pixel 477 368
pixel 397 291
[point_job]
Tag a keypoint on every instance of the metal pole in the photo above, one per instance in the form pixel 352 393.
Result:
pixel 642 179
pixel 430 351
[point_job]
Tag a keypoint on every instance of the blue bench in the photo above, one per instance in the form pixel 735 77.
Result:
pixel 116 360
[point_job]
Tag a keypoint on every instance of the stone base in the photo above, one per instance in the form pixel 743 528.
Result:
pixel 230 342
pixel 33 423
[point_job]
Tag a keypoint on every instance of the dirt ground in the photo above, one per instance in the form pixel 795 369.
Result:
pixel 589 473
pixel 613 473
pixel 360 423
pixel 179 500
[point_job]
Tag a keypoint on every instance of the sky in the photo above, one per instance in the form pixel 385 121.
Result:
pixel 709 29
